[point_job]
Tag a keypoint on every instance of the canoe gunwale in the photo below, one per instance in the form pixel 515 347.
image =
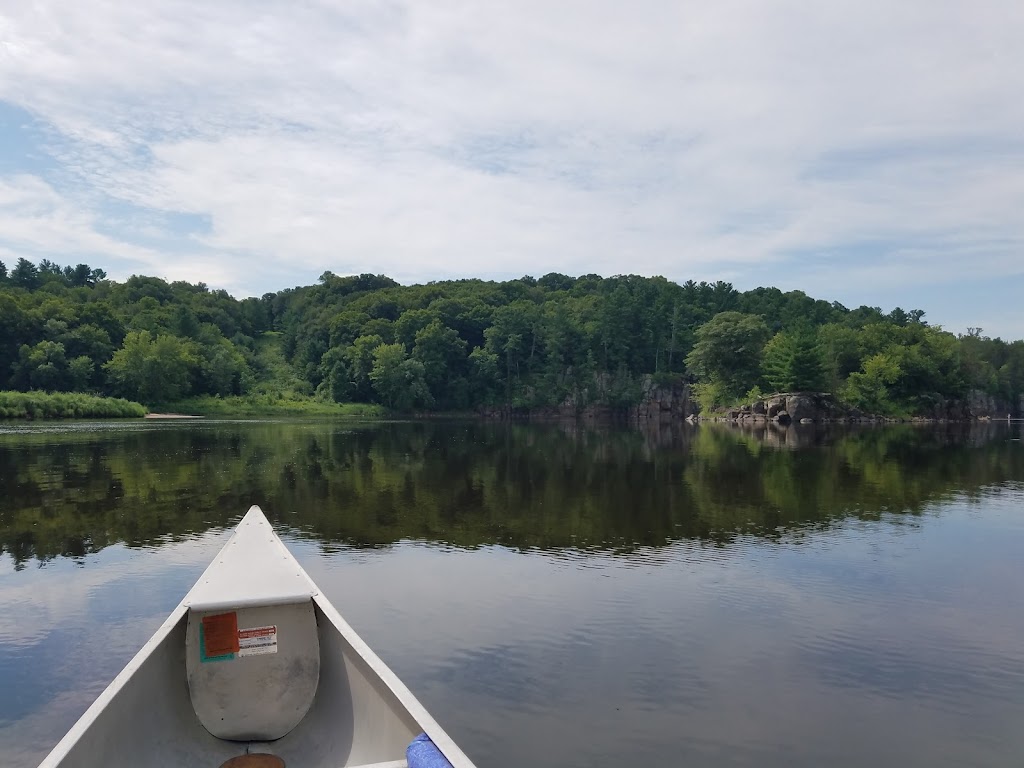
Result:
pixel 64 746
pixel 424 719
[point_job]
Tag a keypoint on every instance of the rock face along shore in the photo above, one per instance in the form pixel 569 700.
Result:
pixel 824 408
pixel 673 402
pixel 797 407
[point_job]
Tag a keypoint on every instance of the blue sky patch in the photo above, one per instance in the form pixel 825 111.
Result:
pixel 21 138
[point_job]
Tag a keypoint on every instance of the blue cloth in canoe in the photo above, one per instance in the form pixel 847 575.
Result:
pixel 423 753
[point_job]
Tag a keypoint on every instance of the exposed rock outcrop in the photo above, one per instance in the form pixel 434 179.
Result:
pixel 607 398
pixel 663 402
pixel 981 405
pixel 801 407
pixel 795 407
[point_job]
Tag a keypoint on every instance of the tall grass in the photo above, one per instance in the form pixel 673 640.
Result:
pixel 267 404
pixel 66 405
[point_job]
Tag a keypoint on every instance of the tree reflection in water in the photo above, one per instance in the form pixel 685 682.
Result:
pixel 70 491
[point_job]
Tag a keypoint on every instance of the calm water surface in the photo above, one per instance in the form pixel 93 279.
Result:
pixel 559 597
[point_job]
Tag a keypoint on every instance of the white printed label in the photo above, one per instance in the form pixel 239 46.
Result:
pixel 257 641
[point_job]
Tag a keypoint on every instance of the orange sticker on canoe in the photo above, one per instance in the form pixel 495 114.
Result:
pixel 220 634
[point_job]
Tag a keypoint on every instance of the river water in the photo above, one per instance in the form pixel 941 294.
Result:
pixel 555 596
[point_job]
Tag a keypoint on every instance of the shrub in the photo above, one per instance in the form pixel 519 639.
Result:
pixel 66 405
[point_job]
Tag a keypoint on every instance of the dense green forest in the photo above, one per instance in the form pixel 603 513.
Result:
pixel 458 345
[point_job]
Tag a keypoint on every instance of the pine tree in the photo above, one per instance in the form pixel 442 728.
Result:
pixel 792 361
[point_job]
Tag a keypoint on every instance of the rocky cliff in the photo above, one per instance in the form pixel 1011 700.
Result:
pixel 981 405
pixel 663 402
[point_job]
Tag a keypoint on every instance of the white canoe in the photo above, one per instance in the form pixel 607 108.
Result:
pixel 254 660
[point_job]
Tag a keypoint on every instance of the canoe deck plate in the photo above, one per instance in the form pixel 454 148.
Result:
pixel 254 568
pixel 259 676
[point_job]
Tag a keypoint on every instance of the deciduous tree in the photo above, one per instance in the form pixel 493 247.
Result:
pixel 152 369
pixel 728 351
pixel 398 379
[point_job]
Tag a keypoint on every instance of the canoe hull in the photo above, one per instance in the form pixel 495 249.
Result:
pixel 361 714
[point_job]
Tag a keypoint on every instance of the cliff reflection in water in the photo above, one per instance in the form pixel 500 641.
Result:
pixel 68 492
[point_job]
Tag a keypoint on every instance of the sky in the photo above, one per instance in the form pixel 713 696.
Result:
pixel 866 152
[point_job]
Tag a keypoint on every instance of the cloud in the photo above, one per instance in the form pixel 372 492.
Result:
pixel 746 141
pixel 36 219
pixel 44 598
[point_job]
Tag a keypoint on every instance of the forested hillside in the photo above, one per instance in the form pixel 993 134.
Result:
pixel 458 345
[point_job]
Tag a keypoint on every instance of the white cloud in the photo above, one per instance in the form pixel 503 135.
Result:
pixel 33 602
pixel 38 220
pixel 732 139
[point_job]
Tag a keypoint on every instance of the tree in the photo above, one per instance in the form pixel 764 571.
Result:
pixel 484 375
pixel 673 337
pixel 443 355
pixel 511 336
pixel 898 317
pixel 555 281
pixel 467 314
pixel 838 346
pixel 337 378
pixel 792 361
pixel 43 366
pixel 184 322
pixel 932 372
pixel 80 373
pixel 869 389
pixel 397 379
pixel 359 357
pixel 728 351
pixel 564 349
pixel 25 275
pixel 410 323
pixel 137 287
pixel 616 329
pixel 3 273
pixel 19 327
pixel 153 369
pixel 345 327
pixel 387 374
pixel 88 340
pixel 1011 376
pixel 222 369
pixel 46 366
pixel 48 268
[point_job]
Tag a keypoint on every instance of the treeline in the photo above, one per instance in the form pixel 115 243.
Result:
pixel 456 345
pixel 69 329
pixel 534 343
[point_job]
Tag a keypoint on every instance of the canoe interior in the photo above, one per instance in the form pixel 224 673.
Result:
pixel 148 719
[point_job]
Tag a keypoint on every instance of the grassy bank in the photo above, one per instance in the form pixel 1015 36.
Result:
pixel 66 405
pixel 270 405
